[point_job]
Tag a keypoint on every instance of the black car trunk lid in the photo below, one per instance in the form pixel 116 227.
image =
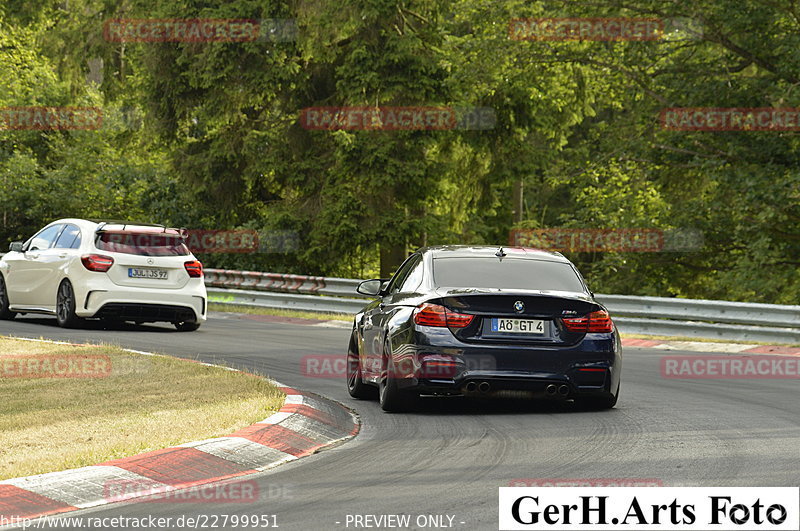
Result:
pixel 519 316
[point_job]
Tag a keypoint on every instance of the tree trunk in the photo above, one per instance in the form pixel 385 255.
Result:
pixel 517 203
pixel 391 258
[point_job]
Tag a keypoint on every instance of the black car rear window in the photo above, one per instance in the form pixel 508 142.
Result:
pixel 146 244
pixel 509 273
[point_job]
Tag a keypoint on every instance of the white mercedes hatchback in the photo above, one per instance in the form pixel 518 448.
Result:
pixel 77 268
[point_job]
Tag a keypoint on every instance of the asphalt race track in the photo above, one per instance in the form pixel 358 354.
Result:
pixel 451 458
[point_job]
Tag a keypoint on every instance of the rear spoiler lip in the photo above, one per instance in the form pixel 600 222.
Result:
pixel 473 292
pixel 182 232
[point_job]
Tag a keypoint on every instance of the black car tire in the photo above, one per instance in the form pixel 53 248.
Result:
pixel 187 326
pixel 65 306
pixel 355 385
pixel 392 398
pixel 598 403
pixel 5 313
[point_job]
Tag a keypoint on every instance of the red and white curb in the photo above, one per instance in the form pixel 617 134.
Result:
pixel 304 425
pixel 706 346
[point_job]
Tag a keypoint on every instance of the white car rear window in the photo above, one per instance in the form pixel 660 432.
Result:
pixel 142 243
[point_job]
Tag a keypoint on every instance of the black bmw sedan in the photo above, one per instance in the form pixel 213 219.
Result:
pixel 478 321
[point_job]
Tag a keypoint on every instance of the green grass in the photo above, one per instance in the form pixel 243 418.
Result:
pixel 143 403
pixel 256 310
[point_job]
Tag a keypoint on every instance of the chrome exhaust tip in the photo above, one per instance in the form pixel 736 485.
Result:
pixel 563 390
pixel 484 387
pixel 471 387
pixel 550 389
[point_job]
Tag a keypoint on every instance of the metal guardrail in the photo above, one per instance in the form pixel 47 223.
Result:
pixel 224 278
pixel 285 301
pixel 723 320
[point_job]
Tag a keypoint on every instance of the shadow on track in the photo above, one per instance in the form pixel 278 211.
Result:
pixel 98 324
pixel 499 406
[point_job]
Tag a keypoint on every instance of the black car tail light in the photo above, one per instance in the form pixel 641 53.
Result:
pixel 97 262
pixel 458 320
pixel 595 322
pixel 428 314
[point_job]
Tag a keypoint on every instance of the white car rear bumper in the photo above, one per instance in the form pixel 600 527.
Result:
pixel 145 304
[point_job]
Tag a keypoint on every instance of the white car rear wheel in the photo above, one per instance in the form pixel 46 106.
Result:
pixel 65 306
pixel 5 313
pixel 187 326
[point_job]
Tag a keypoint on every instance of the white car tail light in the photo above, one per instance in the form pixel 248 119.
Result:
pixel 194 268
pixel 97 262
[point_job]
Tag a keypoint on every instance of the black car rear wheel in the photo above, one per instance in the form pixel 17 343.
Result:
pixel 598 403
pixel 65 306
pixel 355 385
pixel 393 398
pixel 5 313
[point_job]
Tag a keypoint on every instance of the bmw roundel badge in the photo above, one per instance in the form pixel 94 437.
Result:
pixel 519 306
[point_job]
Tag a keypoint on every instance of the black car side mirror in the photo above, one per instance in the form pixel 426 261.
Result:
pixel 374 287
pixel 15 247
pixel 370 287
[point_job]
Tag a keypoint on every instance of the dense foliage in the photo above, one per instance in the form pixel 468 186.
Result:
pixel 206 135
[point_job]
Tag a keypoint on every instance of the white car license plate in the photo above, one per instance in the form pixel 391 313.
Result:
pixel 139 272
pixel 517 326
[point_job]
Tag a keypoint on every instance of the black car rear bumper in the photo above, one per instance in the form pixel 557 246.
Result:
pixel 539 385
pixel 591 367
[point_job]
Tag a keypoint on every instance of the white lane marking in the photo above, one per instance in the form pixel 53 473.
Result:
pixel 84 487
pixel 334 324
pixel 701 346
pixel 241 451
pixel 294 399
pixel 276 418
